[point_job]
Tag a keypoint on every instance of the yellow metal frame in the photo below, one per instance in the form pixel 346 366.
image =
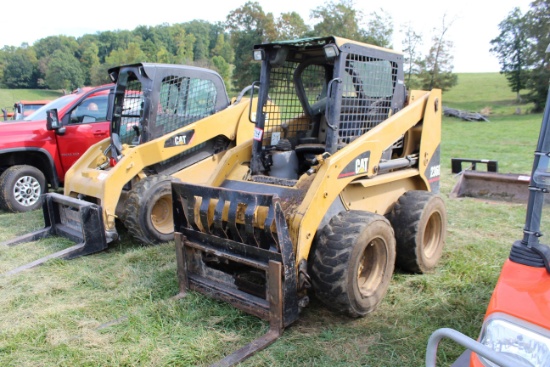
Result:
pixel 83 178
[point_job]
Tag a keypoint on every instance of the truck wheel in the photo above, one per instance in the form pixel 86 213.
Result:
pixel 419 220
pixel 148 210
pixel 21 188
pixel 353 262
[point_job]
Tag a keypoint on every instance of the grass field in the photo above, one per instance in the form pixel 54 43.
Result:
pixel 9 96
pixel 116 308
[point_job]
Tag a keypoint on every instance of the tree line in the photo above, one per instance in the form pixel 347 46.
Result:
pixel 521 49
pixel 63 62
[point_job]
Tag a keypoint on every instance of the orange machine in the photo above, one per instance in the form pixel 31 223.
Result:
pixel 516 327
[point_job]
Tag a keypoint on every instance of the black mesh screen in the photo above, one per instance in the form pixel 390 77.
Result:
pixel 289 119
pixel 368 87
pixel 182 101
pixel 132 110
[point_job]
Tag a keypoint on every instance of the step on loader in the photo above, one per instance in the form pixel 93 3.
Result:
pixel 170 122
pixel 338 185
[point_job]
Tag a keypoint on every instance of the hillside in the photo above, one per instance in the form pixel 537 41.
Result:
pixel 9 96
pixel 474 92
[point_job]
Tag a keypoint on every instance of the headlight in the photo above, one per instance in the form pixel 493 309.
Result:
pixel 518 339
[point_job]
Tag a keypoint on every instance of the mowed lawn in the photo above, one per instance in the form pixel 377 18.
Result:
pixel 116 308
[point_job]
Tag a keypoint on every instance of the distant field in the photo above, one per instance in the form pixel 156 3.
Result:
pixel 115 308
pixel 474 92
pixel 477 91
pixel 9 96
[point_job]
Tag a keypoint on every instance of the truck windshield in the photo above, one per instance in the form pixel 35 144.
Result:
pixel 40 114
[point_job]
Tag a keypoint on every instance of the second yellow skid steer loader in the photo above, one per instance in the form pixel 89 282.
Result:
pixel 169 122
pixel 338 184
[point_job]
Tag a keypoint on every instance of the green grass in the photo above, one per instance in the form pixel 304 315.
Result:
pixel 116 308
pixel 478 91
pixel 9 96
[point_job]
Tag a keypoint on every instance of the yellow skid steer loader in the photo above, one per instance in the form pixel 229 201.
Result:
pixel 169 122
pixel 338 185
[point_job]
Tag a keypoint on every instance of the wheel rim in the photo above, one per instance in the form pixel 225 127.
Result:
pixel 432 235
pixel 27 191
pixel 162 216
pixel 372 266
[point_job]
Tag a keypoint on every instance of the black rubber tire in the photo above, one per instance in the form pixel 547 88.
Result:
pixel 148 212
pixel 419 220
pixel 21 188
pixel 353 262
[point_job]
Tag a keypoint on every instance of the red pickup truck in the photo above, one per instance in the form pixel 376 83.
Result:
pixel 33 158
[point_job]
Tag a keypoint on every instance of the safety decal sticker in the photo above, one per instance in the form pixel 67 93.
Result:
pixel 258 134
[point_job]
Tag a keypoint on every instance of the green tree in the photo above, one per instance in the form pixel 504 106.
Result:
pixel 248 25
pixel 64 71
pixel 21 68
pixel 122 56
pixel 99 74
pixel 223 49
pixel 200 30
pixel 4 53
pixel 45 47
pixel 379 29
pixel 511 48
pixel 436 70
pixel 89 60
pixel 164 56
pixel 130 55
pixel 150 49
pixel 164 38
pixel 538 31
pixel 110 41
pixel 338 18
pixel 411 43
pixel 184 46
pixel 343 19
pixel 291 26
pixel 223 68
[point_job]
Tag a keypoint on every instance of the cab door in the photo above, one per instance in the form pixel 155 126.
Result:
pixel 85 124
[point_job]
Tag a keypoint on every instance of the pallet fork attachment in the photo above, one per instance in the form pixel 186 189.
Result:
pixel 275 307
pixel 64 216
pixel 277 301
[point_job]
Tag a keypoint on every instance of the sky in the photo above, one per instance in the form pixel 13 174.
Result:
pixel 472 23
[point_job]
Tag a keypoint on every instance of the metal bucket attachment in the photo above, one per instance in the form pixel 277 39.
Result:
pixel 234 246
pixel 492 186
pixel 77 220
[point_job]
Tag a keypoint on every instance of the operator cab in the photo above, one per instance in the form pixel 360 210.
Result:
pixel 328 92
